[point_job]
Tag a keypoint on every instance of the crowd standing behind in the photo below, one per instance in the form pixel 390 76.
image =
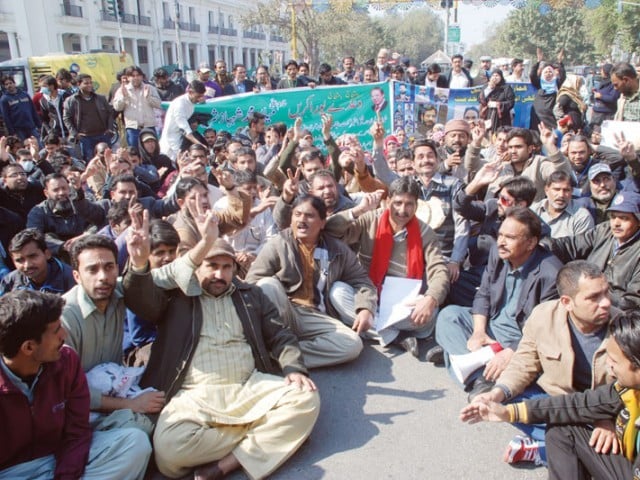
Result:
pixel 225 265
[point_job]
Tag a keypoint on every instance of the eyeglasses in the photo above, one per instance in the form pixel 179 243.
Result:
pixel 17 174
pixel 505 201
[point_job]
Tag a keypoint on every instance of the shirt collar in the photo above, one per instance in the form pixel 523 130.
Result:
pixel 87 307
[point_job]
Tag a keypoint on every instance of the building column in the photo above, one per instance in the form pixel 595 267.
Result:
pixel 174 52
pixel 134 51
pixel 14 50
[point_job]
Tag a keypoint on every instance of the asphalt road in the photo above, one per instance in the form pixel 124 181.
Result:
pixel 389 416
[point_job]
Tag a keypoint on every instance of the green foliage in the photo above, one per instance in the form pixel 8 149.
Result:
pixel 329 36
pixel 416 33
pixel 527 29
pixel 605 23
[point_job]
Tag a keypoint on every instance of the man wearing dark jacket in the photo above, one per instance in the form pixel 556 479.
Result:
pixel 519 275
pixel 61 219
pixel 88 117
pixel 44 402
pixel 605 98
pixel 19 113
pixel 614 246
pixel 223 355
pixel 16 193
pixel 35 269
pixel 240 84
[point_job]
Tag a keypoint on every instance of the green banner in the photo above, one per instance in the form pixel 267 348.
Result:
pixel 352 107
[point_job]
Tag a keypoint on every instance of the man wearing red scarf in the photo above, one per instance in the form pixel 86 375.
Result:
pixel 393 242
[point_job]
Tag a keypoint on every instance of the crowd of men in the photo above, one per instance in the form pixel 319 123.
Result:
pixel 227 264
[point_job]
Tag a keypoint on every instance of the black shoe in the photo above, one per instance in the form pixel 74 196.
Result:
pixel 435 355
pixel 410 344
pixel 480 385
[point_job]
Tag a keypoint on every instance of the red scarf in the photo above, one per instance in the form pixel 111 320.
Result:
pixel 383 247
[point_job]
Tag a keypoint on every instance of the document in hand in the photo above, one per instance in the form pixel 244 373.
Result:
pixel 396 293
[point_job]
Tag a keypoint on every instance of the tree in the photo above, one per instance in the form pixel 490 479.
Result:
pixel 322 36
pixel 526 29
pixel 416 33
pixel 607 24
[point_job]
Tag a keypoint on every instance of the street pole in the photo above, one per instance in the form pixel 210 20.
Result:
pixel 294 33
pixel 178 41
pixel 120 36
pixel 446 30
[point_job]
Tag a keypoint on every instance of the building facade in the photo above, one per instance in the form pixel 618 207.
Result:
pixel 151 31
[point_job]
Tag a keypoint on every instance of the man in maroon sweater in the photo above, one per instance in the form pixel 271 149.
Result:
pixel 44 402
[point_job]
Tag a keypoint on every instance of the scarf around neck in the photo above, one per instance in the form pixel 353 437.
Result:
pixel 383 247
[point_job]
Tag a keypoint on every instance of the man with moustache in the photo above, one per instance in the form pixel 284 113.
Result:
pixel 519 275
pixel 562 350
pixel 457 135
pixel 614 246
pixel 297 270
pixel 428 118
pixel 488 216
pixel 453 233
pixel 523 160
pixel 394 242
pixel 238 391
pixel 94 317
pixel 62 220
pixel 559 211
pixel 602 188
pixel 44 402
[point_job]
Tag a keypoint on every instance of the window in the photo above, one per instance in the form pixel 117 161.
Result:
pixel 143 54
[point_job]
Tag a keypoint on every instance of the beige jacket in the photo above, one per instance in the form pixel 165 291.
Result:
pixel 545 349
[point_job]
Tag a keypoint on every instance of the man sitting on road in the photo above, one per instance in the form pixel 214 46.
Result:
pixel 519 275
pixel 297 270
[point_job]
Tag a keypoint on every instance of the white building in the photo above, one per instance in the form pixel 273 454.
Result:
pixel 208 30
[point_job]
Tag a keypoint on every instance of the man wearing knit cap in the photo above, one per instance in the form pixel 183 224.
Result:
pixel 220 356
pixel 457 135
pixel 614 246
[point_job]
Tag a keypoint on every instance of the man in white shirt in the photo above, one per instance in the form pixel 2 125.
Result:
pixel 137 100
pixel 458 76
pixel 517 72
pixel 176 123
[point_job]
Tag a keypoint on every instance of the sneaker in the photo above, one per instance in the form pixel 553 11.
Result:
pixel 522 449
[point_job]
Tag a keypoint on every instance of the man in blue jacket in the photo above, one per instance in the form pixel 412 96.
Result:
pixel 18 112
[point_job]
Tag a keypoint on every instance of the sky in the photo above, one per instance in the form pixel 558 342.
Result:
pixel 475 21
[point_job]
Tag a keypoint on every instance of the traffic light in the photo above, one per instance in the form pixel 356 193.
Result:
pixel 446 3
pixel 110 6
pixel 120 5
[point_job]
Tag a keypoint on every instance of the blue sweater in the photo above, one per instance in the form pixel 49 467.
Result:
pixel 18 111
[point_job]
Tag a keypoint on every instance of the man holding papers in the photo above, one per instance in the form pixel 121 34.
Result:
pixel 401 254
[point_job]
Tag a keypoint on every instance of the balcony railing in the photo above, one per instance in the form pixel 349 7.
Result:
pixel 108 16
pixel 254 35
pixel 214 29
pixel 71 10
pixel 142 20
pixel 232 32
pixel 277 38
pixel 129 18
pixel 169 24
pixel 189 27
